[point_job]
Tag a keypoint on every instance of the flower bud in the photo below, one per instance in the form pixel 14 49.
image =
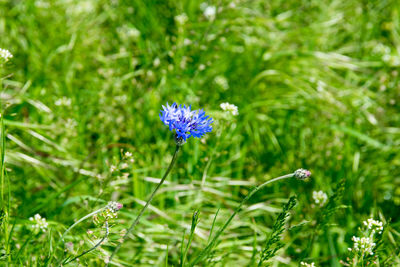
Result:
pixel 302 174
pixel 114 206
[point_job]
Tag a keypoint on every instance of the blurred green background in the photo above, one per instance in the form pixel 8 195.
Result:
pixel 316 84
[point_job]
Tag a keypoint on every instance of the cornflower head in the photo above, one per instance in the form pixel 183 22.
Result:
pixel 374 225
pixel 40 223
pixel 185 122
pixel 5 54
pixel 320 197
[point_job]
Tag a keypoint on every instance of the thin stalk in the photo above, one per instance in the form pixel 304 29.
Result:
pixel 195 221
pixel 146 205
pixel 77 222
pixel 2 168
pixel 216 148
pixel 93 248
pixel 71 227
pixel 207 249
pixel 3 209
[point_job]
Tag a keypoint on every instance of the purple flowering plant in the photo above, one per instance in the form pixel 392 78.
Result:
pixel 185 121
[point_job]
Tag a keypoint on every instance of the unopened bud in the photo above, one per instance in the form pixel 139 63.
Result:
pixel 302 174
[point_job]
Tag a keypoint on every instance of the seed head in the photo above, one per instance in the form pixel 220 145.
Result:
pixel 302 174
pixel 114 206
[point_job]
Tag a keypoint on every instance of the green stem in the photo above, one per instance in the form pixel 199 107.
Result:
pixel 71 227
pixel 2 168
pixel 146 205
pixel 77 222
pixel 207 249
pixel 93 248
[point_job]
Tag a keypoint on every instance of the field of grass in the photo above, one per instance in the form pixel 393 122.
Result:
pixel 317 87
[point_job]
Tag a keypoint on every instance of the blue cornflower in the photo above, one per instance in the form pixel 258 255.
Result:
pixel 185 122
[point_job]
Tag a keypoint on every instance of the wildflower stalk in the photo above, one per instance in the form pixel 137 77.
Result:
pixel 77 222
pixel 147 204
pixel 71 227
pixel 208 248
pixel 107 212
pixel 94 247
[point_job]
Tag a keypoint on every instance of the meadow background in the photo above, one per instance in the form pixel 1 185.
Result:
pixel 317 87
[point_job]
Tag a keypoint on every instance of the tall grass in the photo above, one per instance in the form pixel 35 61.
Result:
pixel 317 86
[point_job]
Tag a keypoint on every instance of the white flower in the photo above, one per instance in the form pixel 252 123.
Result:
pixel 320 197
pixel 81 8
pixel 5 54
pixel 183 62
pixel 374 226
pixel 70 246
pixel 128 33
pixel 113 168
pixel 381 49
pixel 64 101
pixel 364 245
pixel 132 32
pixel 129 156
pixel 312 264
pixel 222 82
pixel 230 108
pixel 208 11
pixel 181 19
pixel 40 223
pixel 70 124
pixel 156 62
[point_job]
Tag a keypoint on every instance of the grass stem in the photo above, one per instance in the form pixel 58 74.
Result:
pixel 94 247
pixel 211 244
pixel 136 221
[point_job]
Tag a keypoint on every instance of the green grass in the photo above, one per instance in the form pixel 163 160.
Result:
pixel 317 87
